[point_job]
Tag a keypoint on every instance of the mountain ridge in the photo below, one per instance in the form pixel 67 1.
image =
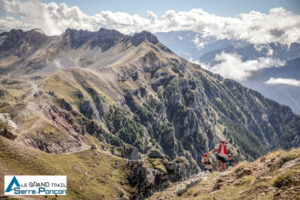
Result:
pixel 133 93
pixel 193 47
pixel 56 52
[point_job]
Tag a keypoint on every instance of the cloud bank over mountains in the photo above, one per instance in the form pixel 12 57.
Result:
pixel 277 26
pixel 233 67
pixel 253 27
pixel 283 81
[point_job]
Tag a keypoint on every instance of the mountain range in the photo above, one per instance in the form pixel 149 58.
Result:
pixel 134 98
pixel 196 48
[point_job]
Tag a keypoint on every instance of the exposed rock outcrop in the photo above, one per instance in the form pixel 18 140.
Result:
pixel 138 38
pixel 146 180
pixel 131 153
pixel 88 110
pixel 185 185
pixel 104 38
pixel 154 153
pixel 290 164
pixel 7 126
pixel 156 177
pixel 55 130
pixel 179 169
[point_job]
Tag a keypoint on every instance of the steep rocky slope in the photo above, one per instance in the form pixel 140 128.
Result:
pixel 96 174
pixel 132 94
pixel 274 176
pixel 93 173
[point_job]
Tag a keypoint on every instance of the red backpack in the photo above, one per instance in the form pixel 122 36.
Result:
pixel 207 162
pixel 225 149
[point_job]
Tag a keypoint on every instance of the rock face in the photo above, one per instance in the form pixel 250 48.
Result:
pixel 154 153
pixel 54 130
pixel 290 164
pixel 131 153
pixel 138 38
pixel 148 180
pixel 185 185
pixel 178 170
pixel 244 172
pixel 16 39
pixel 7 126
pixel 104 38
pixel 88 110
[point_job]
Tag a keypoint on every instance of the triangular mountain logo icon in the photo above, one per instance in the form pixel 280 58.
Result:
pixel 13 182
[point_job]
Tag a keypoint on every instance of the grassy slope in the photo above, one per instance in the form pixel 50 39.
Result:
pixel 267 181
pixel 92 174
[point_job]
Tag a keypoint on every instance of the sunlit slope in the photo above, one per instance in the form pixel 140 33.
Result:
pixel 274 176
pixel 91 174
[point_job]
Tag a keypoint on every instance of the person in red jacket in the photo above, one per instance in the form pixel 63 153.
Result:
pixel 208 163
pixel 222 154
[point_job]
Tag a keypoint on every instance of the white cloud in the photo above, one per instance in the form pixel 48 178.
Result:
pixel 261 47
pixel 278 25
pixel 199 42
pixel 233 67
pixel 284 81
pixel 195 61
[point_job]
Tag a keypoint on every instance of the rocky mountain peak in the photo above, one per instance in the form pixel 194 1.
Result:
pixel 104 38
pixel 109 33
pixel 77 37
pixel 19 34
pixel 138 38
pixel 16 37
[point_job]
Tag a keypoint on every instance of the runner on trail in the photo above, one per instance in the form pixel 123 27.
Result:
pixel 222 154
pixel 231 162
pixel 208 163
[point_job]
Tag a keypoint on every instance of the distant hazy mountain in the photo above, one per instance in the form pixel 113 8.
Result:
pixel 285 94
pixel 183 43
pixel 252 52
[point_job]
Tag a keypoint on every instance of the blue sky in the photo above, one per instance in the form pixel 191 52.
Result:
pixel 219 7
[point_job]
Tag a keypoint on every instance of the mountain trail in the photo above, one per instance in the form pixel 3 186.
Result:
pixel 274 176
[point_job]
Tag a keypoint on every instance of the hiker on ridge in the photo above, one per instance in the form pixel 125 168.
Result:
pixel 222 154
pixel 208 163
pixel 231 162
